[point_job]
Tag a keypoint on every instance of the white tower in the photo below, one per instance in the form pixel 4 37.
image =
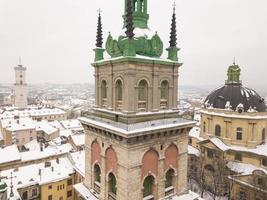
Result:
pixel 20 87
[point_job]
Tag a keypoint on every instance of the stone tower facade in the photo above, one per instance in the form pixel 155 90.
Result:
pixel 136 143
pixel 20 87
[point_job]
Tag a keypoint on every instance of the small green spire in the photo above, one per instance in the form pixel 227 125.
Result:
pixel 140 16
pixel 173 50
pixel 99 51
pixel 233 74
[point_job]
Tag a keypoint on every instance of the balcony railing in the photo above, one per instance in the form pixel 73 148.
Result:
pixel 163 104
pixel 97 187
pixel 142 105
pixel 111 196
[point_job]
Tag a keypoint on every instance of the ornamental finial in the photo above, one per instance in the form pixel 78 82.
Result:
pixel 129 20
pixel 173 35
pixel 99 35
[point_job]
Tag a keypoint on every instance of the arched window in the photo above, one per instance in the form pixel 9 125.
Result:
pixel 112 184
pixel 97 178
pixel 164 94
pixel 21 82
pixel 104 93
pixel 218 130
pixel 142 94
pixel 239 132
pixel 97 173
pixel 263 135
pixel 118 92
pixel 148 186
pixel 169 178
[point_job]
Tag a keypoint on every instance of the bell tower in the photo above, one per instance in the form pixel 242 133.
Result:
pixel 20 87
pixel 136 142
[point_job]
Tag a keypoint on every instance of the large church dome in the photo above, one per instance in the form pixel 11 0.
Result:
pixel 233 95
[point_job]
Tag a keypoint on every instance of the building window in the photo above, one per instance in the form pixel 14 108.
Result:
pixel 60 198
pixel 239 133
pixel 69 194
pixel 218 130
pixel 164 93
pixel 34 192
pixel 242 195
pixel 238 157
pixel 210 153
pixel 50 197
pixel 148 186
pixel 190 141
pixel 25 195
pixel 263 135
pixel 97 172
pixel 204 127
pixel 119 90
pixel 169 178
pixel 264 162
pixel 112 184
pixel 118 94
pixel 69 182
pixel 260 181
pixel 104 93
pixel 49 187
pixel 58 188
pixel 142 95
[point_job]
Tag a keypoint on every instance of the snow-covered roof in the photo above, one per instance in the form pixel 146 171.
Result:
pixel 32 112
pixel 85 192
pixel 65 132
pixel 189 196
pixel 259 150
pixel 72 124
pixel 193 151
pixel 131 129
pixel 195 133
pixel 39 174
pixel 47 152
pixel 78 139
pixel 9 154
pixel 13 125
pixel 56 124
pixel 244 169
pixel 78 160
pixel 45 127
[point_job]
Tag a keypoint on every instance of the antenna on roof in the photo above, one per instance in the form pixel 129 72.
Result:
pixel 234 61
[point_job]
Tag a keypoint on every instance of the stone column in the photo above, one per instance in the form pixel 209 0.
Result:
pixel 182 173
pixel 88 166
pixel 155 92
pixel 161 179
pixel 103 189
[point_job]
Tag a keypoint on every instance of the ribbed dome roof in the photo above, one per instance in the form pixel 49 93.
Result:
pixel 234 96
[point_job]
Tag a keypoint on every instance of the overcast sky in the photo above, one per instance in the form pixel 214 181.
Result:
pixel 55 38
